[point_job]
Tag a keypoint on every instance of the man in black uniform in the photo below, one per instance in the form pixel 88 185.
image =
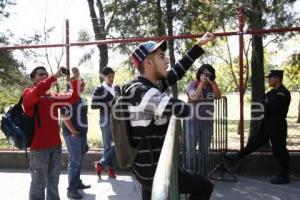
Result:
pixel 273 128
pixel 150 108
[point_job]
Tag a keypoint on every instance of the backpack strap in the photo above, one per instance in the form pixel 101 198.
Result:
pixel 35 114
pixel 20 101
pixel 35 111
pixel 137 84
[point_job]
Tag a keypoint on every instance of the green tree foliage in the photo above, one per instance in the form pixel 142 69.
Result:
pixel 12 79
pixel 264 14
pixel 258 15
pixel 292 72
pixel 292 76
pixel 141 18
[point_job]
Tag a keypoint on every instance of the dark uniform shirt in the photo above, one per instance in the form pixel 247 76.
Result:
pixel 276 107
pixel 149 109
pixel 101 99
pixel 78 113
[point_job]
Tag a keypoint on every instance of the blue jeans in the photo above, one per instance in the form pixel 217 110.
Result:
pixel 45 170
pixel 198 132
pixel 109 149
pixel 76 146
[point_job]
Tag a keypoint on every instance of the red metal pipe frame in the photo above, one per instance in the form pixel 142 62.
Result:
pixel 67 45
pixel 67 48
pixel 240 33
pixel 142 39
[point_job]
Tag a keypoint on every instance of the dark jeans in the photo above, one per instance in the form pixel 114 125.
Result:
pixel 279 149
pixel 197 186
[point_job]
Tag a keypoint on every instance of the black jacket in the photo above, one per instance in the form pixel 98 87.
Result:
pixel 150 108
pixel 101 99
pixel 276 107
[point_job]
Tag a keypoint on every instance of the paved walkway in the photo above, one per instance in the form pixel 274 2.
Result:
pixel 14 186
pixel 256 188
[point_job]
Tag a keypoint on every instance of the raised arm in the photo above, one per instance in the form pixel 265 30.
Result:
pixel 215 88
pixel 70 97
pixel 184 64
pixel 31 95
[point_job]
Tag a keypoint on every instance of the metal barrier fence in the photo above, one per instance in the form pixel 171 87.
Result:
pixel 165 183
pixel 205 138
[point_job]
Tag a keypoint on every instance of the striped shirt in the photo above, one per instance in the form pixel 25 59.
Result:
pixel 150 108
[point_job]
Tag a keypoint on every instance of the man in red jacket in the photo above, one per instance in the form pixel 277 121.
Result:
pixel 45 150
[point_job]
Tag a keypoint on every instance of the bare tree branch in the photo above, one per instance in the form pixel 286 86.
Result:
pixel 112 16
pixel 230 57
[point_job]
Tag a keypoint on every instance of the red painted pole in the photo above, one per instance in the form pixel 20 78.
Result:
pixel 67 45
pixel 241 88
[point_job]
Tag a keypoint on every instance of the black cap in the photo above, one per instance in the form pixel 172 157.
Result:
pixel 107 70
pixel 275 73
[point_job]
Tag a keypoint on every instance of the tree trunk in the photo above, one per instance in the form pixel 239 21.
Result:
pixel 257 63
pixel 178 128
pixel 161 29
pixel 103 49
pixel 100 32
pixel 171 42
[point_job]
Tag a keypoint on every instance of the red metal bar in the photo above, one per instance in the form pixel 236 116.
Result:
pixel 142 39
pixel 270 31
pixel 68 47
pixel 241 88
pixel 34 46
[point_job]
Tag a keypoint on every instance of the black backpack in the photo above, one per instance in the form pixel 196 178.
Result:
pixel 19 127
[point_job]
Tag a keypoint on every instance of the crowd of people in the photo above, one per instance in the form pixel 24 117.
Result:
pixel 150 108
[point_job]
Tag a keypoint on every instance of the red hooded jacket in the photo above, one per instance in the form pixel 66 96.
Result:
pixel 47 135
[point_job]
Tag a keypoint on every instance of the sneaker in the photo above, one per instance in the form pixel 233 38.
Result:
pixel 74 194
pixel 280 180
pixel 82 186
pixel 99 169
pixel 111 173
